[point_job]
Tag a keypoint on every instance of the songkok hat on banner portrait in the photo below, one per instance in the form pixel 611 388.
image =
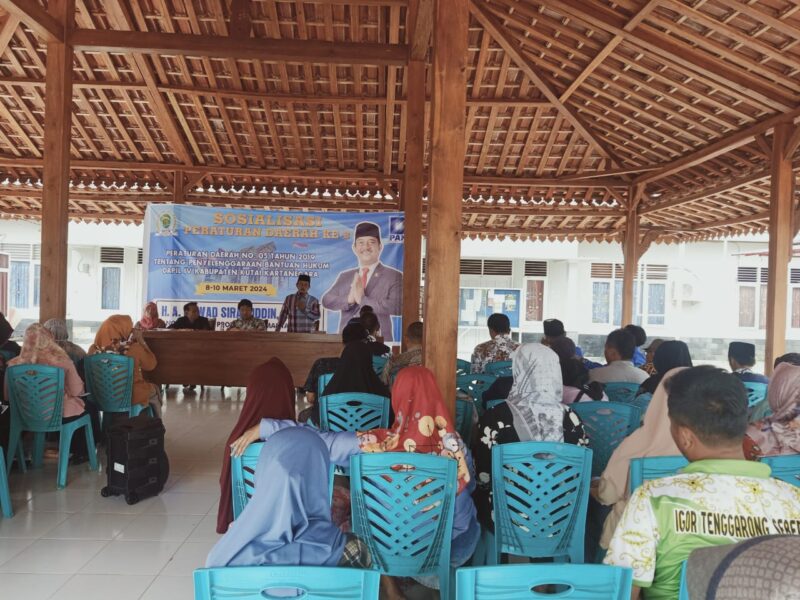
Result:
pixel 368 229
pixel 305 278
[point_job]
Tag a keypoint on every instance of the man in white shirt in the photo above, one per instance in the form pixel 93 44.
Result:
pixel 620 345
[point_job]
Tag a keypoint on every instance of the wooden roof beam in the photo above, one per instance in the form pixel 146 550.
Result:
pixel 600 180
pixel 538 211
pixel 42 23
pixel 740 220
pixel 420 27
pixel 285 50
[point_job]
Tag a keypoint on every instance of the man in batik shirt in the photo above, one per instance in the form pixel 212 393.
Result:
pixel 499 348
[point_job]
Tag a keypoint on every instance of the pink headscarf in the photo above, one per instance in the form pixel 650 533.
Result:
pixel 780 433
pixel 150 318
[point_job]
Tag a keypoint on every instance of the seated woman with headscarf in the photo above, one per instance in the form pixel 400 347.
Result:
pixel 58 329
pixel 150 319
pixel 39 348
pixel 422 424
pixel 353 332
pixel 575 374
pixel 116 334
pixel 669 355
pixel 288 519
pixel 780 432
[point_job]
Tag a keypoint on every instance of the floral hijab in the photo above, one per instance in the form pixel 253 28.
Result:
pixel 780 433
pixel 535 397
pixel 39 347
pixel 422 423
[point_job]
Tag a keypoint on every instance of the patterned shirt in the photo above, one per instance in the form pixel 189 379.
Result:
pixel 356 554
pixel 711 503
pixel 400 361
pixel 251 324
pixel 495 350
pixel 300 321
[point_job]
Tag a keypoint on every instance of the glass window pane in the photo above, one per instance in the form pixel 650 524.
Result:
pixel 600 301
pixel 747 306
pixel 656 303
pixel 111 281
pixel 618 302
pixel 20 281
pixel 762 323
pixel 534 300
pixel 37 276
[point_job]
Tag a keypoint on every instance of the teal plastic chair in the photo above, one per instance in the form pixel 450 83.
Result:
pixel 474 386
pixel 683 593
pixel 540 494
pixel 465 410
pixel 309 583
pixel 606 424
pixel 501 368
pixel 322 382
pixel 579 582
pixel 463 367
pixel 654 467
pixel 243 470
pixel 109 379
pixel 5 494
pixel 756 392
pixel 785 467
pixel 642 401
pixel 378 362
pixel 7 355
pixel 36 394
pixel 402 506
pixel 353 411
pixel 621 391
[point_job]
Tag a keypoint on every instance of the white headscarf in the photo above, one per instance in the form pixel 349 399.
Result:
pixel 535 397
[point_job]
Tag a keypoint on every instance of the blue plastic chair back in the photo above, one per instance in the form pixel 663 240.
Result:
pixel 756 392
pixel 109 379
pixel 540 493
pixel 402 506
pixel 583 582
pixel 353 411
pixel 7 355
pixel 36 395
pixel 643 401
pixel 322 382
pixel 378 362
pixel 465 410
pixel 309 583
pixel 621 391
pixel 785 467
pixel 683 592
pixel 501 368
pixel 475 385
pixel 606 424
pixel 654 467
pixel 5 494
pixel 243 470
pixel 463 367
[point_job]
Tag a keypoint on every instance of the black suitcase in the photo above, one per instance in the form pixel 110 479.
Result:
pixel 137 465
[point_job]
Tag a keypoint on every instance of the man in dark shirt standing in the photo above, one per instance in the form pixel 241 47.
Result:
pixel 191 319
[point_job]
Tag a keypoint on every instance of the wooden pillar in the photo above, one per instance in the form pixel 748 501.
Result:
pixel 781 232
pixel 413 183
pixel 55 192
pixel 443 250
pixel 630 252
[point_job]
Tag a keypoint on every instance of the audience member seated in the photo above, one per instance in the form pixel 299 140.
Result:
pixel 670 355
pixel 6 331
pixel 411 357
pixel 532 412
pixel 58 329
pixel 719 498
pixel 246 320
pixel 780 432
pixel 353 332
pixel 361 312
pixel 620 345
pixel 191 319
pixel 640 338
pixel 742 358
pixel 371 323
pixel 499 348
pixel 270 395
pixel 554 329
pixel 650 352
pixel 422 424
pixel 39 348
pixel 288 519
pixel 150 319
pixel 793 358
pixel 117 335
pixel 653 438
pixel 574 374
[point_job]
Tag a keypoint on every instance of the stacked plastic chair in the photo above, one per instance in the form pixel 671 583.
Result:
pixel 584 582
pixel 621 391
pixel 309 583
pixel 756 392
pixel 606 424
pixel 109 379
pixel 403 507
pixel 5 494
pixel 654 467
pixel 501 368
pixel 36 394
pixel 540 493
pixel 785 467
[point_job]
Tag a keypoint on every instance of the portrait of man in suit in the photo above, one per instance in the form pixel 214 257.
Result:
pixel 371 283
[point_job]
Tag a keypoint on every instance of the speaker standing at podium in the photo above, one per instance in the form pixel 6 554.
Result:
pixel 300 309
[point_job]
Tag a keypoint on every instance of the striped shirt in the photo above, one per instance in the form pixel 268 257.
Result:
pixel 299 321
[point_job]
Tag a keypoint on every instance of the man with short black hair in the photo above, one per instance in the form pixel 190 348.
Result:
pixel 742 359
pixel 300 311
pixel 719 498
pixel 498 348
pixel 246 320
pixel 191 318
pixel 619 356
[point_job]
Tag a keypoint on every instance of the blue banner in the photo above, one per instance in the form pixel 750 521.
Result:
pixel 217 256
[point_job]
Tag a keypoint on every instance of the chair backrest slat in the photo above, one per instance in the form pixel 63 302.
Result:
pixel 353 412
pixel 36 395
pixel 785 467
pixel 322 382
pixel 109 379
pixel 654 467
pixel 756 392
pixel 465 410
pixel 475 385
pixel 606 424
pixel 621 391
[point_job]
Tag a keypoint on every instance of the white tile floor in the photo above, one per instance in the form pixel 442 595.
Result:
pixel 73 544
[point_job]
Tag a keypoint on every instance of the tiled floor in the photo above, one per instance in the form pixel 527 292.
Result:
pixel 74 544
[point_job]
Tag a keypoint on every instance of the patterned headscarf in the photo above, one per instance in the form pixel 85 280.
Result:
pixel 39 347
pixel 780 433
pixel 149 318
pixel 58 329
pixel 422 423
pixel 535 397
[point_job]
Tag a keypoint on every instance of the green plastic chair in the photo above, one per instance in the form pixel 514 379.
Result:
pixel 36 394
pixel 501 368
pixel 109 379
pixel 756 392
pixel 463 367
pixel 5 494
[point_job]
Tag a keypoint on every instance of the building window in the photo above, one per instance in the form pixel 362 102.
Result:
pixel 753 297
pixel 20 284
pixel 649 294
pixel 111 288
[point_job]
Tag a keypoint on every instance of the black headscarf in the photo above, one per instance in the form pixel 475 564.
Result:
pixel 6 330
pixel 575 374
pixel 670 355
pixel 355 373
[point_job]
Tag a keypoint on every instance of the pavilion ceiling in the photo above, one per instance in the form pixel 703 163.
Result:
pixel 302 104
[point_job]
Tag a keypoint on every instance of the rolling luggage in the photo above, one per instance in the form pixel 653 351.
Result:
pixel 137 465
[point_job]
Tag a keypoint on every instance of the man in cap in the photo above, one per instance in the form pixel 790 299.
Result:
pixel 742 358
pixel 300 309
pixel 371 283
